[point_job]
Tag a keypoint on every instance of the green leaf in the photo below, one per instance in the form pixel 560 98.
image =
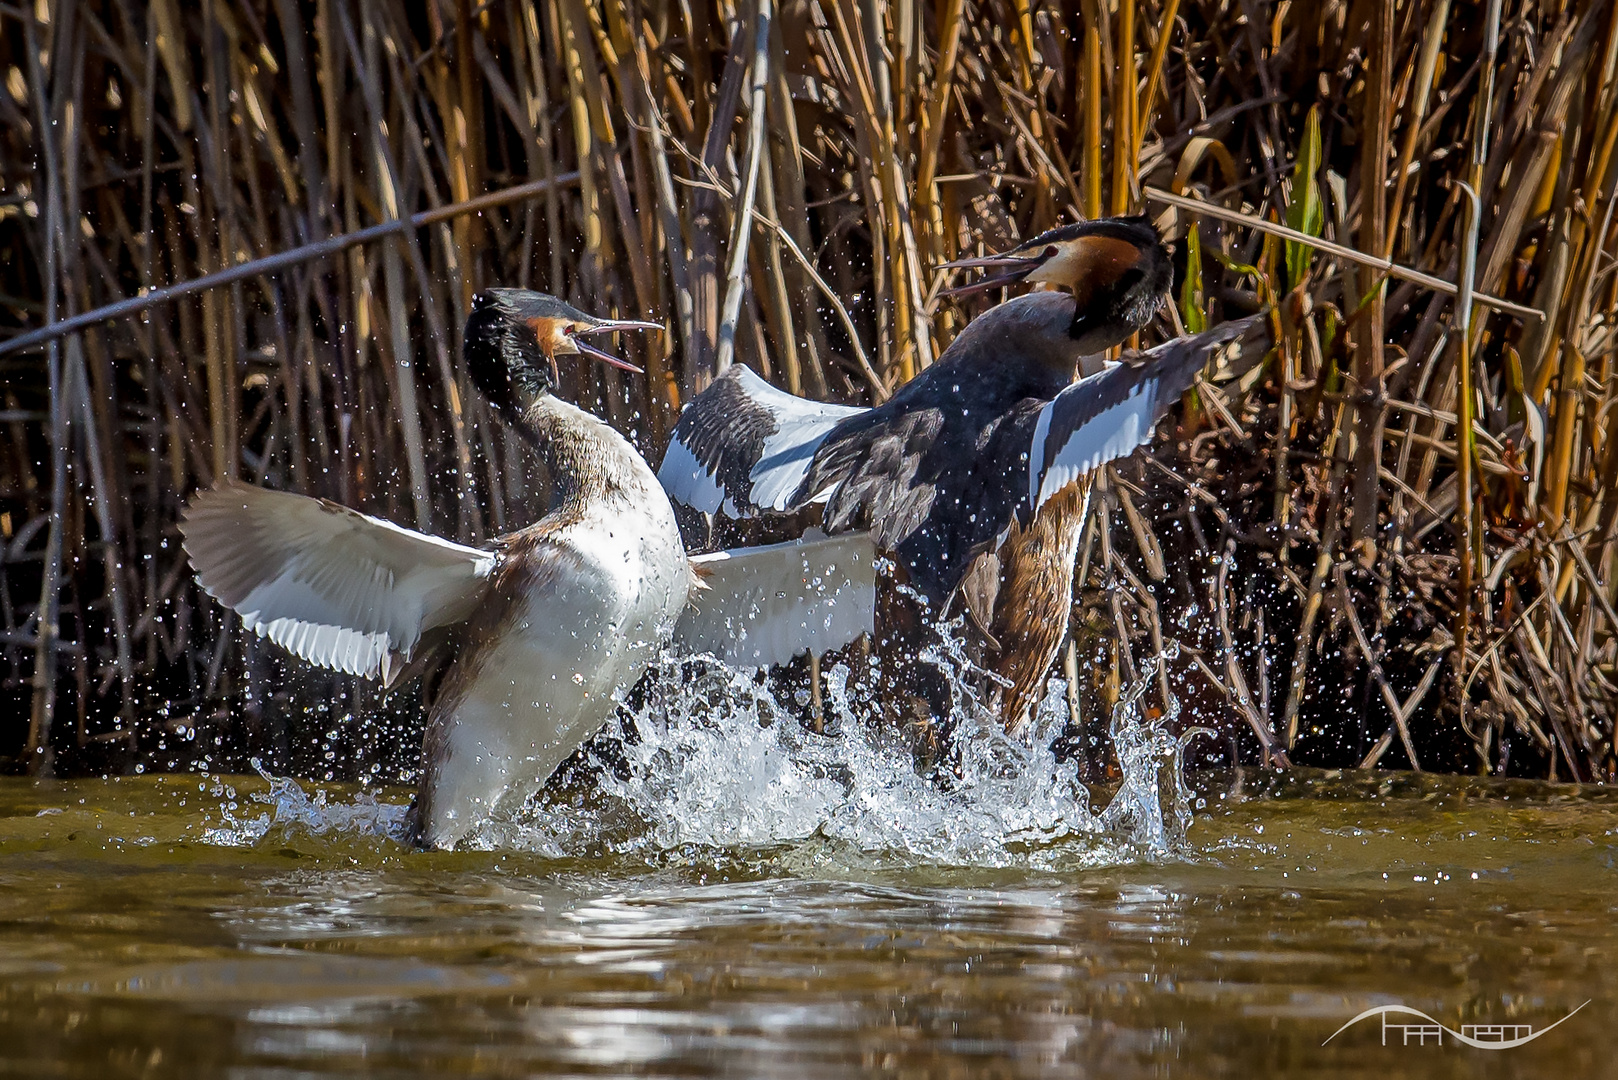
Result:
pixel 1236 267
pixel 1328 333
pixel 1305 212
pixel 1193 308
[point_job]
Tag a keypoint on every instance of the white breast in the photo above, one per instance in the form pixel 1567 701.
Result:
pixel 546 683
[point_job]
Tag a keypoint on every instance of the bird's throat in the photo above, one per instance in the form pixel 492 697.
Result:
pixel 582 463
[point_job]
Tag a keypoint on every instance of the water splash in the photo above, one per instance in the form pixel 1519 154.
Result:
pixel 1151 762
pixel 290 808
pixel 712 762
pixel 720 763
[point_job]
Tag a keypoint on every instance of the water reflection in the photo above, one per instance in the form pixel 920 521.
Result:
pixel 1294 906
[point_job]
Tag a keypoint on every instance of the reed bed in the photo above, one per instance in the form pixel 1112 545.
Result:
pixel 1389 540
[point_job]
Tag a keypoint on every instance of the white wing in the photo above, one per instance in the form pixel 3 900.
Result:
pixel 1104 417
pixel 743 446
pixel 765 605
pixel 333 586
pixel 801 426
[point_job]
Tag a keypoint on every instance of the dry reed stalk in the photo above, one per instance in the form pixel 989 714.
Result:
pixel 1369 362
pixel 1124 106
pixel 742 231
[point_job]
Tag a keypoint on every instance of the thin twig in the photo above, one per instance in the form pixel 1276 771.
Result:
pixel 1273 749
pixel 1392 269
pixel 1388 696
pixel 281 260
pixel 878 387
pixel 1402 717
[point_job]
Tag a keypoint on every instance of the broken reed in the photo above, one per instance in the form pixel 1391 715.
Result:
pixel 1320 527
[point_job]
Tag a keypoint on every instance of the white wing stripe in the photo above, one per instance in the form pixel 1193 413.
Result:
pixel 743 446
pixel 686 480
pixel 780 472
pixel 801 426
pixel 1036 458
pixel 1113 433
pixel 1127 400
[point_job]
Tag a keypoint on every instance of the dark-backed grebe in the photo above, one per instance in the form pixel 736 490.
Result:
pixel 975 475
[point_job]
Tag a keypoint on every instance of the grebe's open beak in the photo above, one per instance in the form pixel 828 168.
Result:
pixel 1069 256
pixel 1014 269
pixel 609 326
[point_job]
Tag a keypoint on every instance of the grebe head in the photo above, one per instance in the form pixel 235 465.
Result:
pixel 1116 268
pixel 513 337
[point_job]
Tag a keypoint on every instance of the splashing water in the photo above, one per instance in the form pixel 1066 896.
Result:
pixel 713 761
pixel 291 808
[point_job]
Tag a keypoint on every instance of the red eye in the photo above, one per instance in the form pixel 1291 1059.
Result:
pixel 1052 252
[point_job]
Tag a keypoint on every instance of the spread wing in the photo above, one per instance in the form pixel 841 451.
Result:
pixel 765 605
pixel 1106 416
pixel 330 585
pixel 744 447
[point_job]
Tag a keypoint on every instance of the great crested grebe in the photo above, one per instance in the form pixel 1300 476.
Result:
pixel 543 628
pixel 976 474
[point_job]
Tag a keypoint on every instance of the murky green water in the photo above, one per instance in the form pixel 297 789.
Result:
pixel 129 946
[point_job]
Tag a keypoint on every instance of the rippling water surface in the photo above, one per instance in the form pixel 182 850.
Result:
pixel 745 901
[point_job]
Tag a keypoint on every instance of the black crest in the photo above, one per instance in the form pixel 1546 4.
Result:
pixel 502 352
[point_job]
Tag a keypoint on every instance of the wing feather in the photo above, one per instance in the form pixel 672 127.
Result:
pixel 765 605
pixel 1107 416
pixel 743 447
pixel 333 586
